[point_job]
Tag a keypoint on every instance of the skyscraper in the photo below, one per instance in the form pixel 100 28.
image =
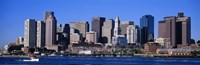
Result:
pixel 66 34
pixel 107 31
pixel 50 21
pixel 47 13
pixel 97 24
pixel 117 30
pixel 132 34
pixel 118 38
pixel 30 32
pixel 124 26
pixel 40 34
pixel 175 28
pixel 146 29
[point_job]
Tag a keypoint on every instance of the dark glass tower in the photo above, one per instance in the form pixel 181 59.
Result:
pixel 146 29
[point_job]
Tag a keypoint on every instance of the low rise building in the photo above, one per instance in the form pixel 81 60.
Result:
pixel 151 47
pixel 164 42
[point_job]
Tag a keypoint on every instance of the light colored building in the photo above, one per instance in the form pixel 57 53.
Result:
pixel 20 40
pixel 117 30
pixel 74 37
pixel 54 47
pixel 164 42
pixel 30 32
pixel 97 23
pixel 124 26
pixel 50 34
pixel 107 31
pixel 59 28
pixel 91 37
pixel 132 34
pixel 118 38
pixel 86 52
pixel 40 34
pixel 82 27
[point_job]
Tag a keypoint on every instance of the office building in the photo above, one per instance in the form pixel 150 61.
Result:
pixel 132 34
pixel 40 34
pixel 124 26
pixel 107 31
pixel 146 29
pixel 75 37
pixel 97 24
pixel 30 32
pixel 118 38
pixel 50 33
pixel 91 37
pixel 82 28
pixel 176 28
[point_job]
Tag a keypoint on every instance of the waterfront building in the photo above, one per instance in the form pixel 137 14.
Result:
pixel 30 32
pixel 176 52
pixel 146 29
pixel 40 34
pixel 151 47
pixel 164 42
pixel 50 33
pixel 91 37
pixel 177 28
pixel 97 23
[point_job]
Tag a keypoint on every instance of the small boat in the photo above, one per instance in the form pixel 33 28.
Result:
pixel 33 58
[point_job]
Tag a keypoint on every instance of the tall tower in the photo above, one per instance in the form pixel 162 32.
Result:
pixel 107 31
pixel 30 32
pixel 146 29
pixel 117 30
pixel 50 21
pixel 132 34
pixel 97 24
pixel 40 34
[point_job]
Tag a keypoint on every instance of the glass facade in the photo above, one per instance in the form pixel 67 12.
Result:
pixel 146 29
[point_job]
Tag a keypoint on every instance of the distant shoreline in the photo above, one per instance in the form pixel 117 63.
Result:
pixel 14 56
pixel 139 55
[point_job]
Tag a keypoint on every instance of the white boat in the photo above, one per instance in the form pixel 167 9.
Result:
pixel 32 60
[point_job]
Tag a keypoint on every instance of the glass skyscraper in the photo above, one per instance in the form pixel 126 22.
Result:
pixel 146 29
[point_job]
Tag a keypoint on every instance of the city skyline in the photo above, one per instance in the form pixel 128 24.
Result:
pixel 62 16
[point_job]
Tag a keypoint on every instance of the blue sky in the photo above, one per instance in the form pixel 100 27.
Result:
pixel 15 12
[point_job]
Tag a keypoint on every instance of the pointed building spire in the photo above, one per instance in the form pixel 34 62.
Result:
pixel 117 19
